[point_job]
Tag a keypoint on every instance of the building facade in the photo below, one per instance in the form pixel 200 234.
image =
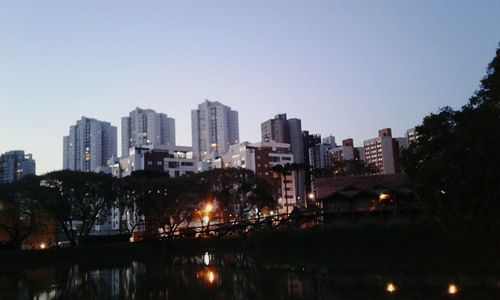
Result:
pixel 319 154
pixel 15 165
pixel 261 158
pixel 347 152
pixel 383 151
pixel 89 145
pixel 309 141
pixel 288 131
pixel 214 128
pixel 145 127
pixel 411 135
pixel 172 160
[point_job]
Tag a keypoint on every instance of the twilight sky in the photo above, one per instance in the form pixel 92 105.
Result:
pixel 346 69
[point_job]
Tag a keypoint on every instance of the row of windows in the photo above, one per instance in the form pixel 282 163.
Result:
pixel 172 164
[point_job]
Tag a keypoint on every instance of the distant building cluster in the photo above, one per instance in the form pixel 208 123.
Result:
pixel 148 143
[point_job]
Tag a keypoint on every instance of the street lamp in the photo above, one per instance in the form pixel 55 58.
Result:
pixel 452 289
pixel 391 288
pixel 208 208
pixel 384 196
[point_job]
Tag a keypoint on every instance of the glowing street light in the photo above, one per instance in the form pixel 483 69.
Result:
pixel 384 196
pixel 391 288
pixel 211 277
pixel 206 259
pixel 209 207
pixel 452 289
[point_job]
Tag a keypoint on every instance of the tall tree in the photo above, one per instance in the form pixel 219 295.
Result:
pixel 283 171
pixel 169 204
pixel 20 212
pixel 237 191
pixel 77 200
pixel 127 195
pixel 455 164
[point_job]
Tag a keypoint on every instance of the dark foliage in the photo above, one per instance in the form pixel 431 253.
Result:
pixel 455 164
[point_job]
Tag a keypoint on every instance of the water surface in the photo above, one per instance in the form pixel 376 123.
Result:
pixel 234 275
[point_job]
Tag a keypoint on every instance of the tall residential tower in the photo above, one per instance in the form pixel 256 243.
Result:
pixel 144 127
pixel 89 145
pixel 215 128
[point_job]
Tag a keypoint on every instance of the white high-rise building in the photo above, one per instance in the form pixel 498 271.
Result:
pixel 89 145
pixel 214 128
pixel 144 127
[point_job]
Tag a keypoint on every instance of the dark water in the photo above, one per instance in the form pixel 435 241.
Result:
pixel 237 276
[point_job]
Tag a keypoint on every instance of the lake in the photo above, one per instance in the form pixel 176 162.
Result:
pixel 234 275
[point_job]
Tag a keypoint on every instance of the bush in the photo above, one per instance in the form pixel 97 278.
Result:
pixel 375 234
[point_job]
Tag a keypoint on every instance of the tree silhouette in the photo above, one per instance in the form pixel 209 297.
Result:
pixel 454 164
pixel 20 212
pixel 77 200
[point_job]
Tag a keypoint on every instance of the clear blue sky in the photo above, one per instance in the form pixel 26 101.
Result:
pixel 346 68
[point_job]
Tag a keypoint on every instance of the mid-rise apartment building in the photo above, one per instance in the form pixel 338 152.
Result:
pixel 411 135
pixel 261 158
pixel 288 131
pixel 347 151
pixel 383 151
pixel 15 165
pixel 172 160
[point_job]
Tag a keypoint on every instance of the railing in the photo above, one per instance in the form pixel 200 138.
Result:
pixel 303 218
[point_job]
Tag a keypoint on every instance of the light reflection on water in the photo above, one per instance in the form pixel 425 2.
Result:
pixel 232 276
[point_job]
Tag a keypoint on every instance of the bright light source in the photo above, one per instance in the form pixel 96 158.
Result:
pixel 209 207
pixel 311 196
pixel 42 246
pixel 384 196
pixel 391 288
pixel 206 258
pixel 211 277
pixel 452 289
pixel 206 219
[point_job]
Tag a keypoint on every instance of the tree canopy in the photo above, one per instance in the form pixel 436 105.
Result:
pixel 454 165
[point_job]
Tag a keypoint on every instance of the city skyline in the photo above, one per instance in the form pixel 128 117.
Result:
pixel 343 69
